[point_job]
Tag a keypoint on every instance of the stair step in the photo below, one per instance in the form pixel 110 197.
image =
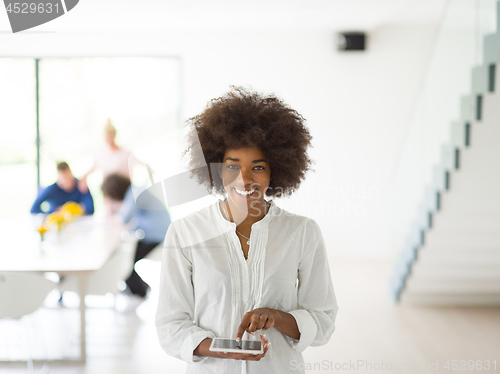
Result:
pixel 458 134
pixel 443 246
pixel 438 180
pixel 491 48
pixel 498 17
pixel 459 239
pixel 443 299
pixel 447 271
pixel 472 256
pixel 467 201
pixel 453 286
pixel 471 108
pixel 447 157
pixel 444 220
pixel 480 79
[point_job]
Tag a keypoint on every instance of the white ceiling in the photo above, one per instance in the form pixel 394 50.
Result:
pixel 147 15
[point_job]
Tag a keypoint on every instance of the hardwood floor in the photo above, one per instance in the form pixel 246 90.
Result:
pixel 370 329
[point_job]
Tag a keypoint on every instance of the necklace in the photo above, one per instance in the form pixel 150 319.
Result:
pixel 226 215
pixel 248 239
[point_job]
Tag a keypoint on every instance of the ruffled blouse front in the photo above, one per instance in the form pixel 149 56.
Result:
pixel 207 286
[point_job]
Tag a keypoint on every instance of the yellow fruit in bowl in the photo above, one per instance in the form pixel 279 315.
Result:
pixel 73 208
pixel 56 218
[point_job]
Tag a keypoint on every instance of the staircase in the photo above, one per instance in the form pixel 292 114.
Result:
pixel 452 255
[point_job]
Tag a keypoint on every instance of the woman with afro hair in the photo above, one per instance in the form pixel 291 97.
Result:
pixel 243 268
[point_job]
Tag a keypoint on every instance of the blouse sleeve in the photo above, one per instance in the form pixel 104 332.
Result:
pixel 317 305
pixel 177 332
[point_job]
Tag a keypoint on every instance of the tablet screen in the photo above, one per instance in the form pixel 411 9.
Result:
pixel 253 345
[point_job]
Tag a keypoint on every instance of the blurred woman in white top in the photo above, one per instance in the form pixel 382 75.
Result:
pixel 111 159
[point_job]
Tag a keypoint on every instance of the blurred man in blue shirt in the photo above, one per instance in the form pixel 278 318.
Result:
pixel 150 220
pixel 64 190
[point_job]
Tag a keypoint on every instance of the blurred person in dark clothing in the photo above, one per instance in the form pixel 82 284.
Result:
pixel 64 190
pixel 150 220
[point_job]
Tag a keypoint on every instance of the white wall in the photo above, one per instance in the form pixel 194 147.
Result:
pixel 357 105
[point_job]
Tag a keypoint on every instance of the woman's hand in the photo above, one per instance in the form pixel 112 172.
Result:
pixel 257 319
pixel 247 356
pixel 265 318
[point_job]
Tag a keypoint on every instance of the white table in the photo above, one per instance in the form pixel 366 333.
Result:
pixel 80 248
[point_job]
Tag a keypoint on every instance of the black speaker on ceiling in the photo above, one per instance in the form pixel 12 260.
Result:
pixel 351 41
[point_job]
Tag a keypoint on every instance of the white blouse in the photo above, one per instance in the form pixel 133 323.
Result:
pixel 113 161
pixel 207 286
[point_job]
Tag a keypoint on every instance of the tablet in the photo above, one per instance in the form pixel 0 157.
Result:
pixel 232 346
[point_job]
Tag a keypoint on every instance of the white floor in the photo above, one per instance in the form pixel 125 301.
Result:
pixel 371 329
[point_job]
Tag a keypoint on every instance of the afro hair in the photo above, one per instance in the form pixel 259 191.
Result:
pixel 242 118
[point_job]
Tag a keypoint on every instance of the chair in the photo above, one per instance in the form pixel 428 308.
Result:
pixel 106 279
pixel 21 294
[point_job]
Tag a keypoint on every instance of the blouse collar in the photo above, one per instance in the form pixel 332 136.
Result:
pixel 228 224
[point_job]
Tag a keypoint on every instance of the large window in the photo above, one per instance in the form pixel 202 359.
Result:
pixel 76 96
pixel 18 175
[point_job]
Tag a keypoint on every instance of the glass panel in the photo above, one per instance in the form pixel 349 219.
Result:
pixel 423 166
pixel 77 96
pixel 458 48
pixel 18 139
